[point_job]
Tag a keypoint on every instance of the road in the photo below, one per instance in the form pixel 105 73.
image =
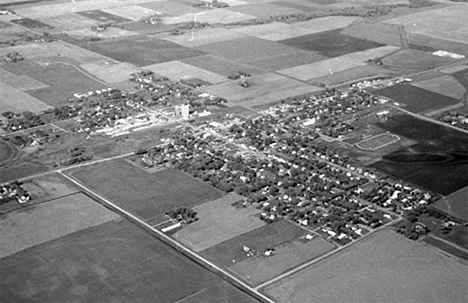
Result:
pixel 166 239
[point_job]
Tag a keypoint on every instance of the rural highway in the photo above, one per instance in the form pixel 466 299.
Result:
pixel 168 240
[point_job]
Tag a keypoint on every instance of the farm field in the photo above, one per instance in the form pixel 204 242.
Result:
pixel 218 221
pixel 274 31
pixel 7 150
pixel 455 204
pixel 34 225
pixel 352 74
pixel 23 83
pixel 383 267
pixel 113 262
pixel 415 99
pixel 263 10
pixel 290 60
pixel 110 73
pixel 378 32
pixel 204 36
pixel 259 239
pixel 148 196
pixel 445 85
pixel 104 17
pixel 222 291
pixel 20 171
pixel 438 162
pixel 326 24
pixel 446 247
pixel 413 60
pixel 220 15
pixel 18 101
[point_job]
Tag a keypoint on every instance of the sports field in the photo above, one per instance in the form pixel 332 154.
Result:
pixel 48 221
pixel 218 221
pixel 385 267
pixel 112 262
pixel 455 204
pixel 148 196
pixel 378 141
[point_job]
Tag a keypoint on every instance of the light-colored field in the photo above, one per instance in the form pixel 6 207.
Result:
pixel 110 33
pixel 69 22
pixel 385 267
pixel 288 60
pixel 379 32
pixel 262 86
pixel 325 24
pixel 381 2
pixel 218 221
pixel 378 141
pixel 414 59
pixel 445 85
pixel 23 83
pixel 134 12
pixel 48 187
pixel 204 36
pixel 177 70
pixel 221 15
pixel 449 23
pixel 454 69
pixel 170 8
pixel 258 269
pixel 352 74
pixel 264 10
pixel 110 73
pixel 321 68
pixel 14 100
pixel 44 222
pixel 274 31
pixel 455 204
pixel 279 95
pixel 221 66
pixel 372 53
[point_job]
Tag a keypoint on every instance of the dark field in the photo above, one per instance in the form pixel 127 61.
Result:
pixel 417 100
pixel 112 262
pixel 261 238
pixel 439 161
pixel 330 44
pixel 140 50
pixel 455 204
pixel 146 195
pixel 21 171
pixel 6 151
pixel 446 247
pixel 223 293
pixel 103 16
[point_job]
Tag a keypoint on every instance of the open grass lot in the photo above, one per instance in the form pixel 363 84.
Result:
pixel 140 50
pixel 413 60
pixel 416 99
pixel 445 85
pixel 385 267
pixel 148 196
pixel 274 31
pixel 330 43
pixel 44 222
pixel 455 204
pixel 64 79
pixel 259 239
pixel 352 74
pixel 221 66
pixel 264 10
pixel 450 23
pixel 267 85
pixel 18 101
pixel 103 16
pixel 247 50
pixel 438 162
pixel 378 141
pixel 204 36
pixel 446 247
pixel 258 269
pixel 218 221
pixel 177 70
pixel 110 73
pixel 112 262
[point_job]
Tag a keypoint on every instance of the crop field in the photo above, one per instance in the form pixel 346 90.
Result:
pixel 455 204
pixel 34 225
pixel 134 12
pixel 103 16
pixel 390 34
pixel 20 171
pixel 436 44
pixel 220 15
pixel 204 36
pixel 276 96
pixel 413 60
pixel 221 66
pixel 416 99
pixel 49 187
pixel 218 221
pixel 248 49
pixel 112 262
pixel 320 69
pixel 450 23
pixel 330 43
pixel 17 101
pixel 445 85
pixel 7 150
pixel 258 269
pixel 446 247
pixel 222 292
pixel 352 74
pixel 148 196
pixel 177 70
pixel 326 24
pixel 70 22
pixel 383 267
pixel 23 83
pixel 264 10
pixel 263 85
pixel 259 239
pixel 130 50
pixel 64 79
pixel 289 60
pixel 274 31
pixel 438 162
pixel 378 141
pixel 110 73
pixel 172 8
